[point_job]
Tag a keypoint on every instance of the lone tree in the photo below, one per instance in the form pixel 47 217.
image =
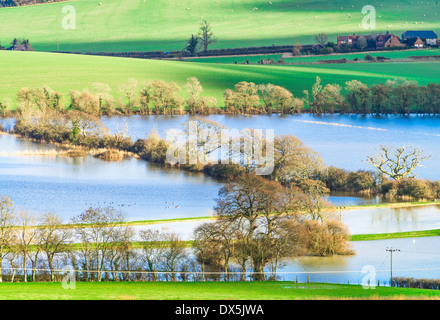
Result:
pixel 321 38
pixel 399 163
pixel 206 35
pixel 192 45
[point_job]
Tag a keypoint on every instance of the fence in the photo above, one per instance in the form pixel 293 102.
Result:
pixel 43 274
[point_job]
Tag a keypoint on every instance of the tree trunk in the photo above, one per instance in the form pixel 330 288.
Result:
pixel 258 274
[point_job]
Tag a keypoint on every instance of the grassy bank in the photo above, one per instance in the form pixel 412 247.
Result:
pixel 204 291
pixel 396 235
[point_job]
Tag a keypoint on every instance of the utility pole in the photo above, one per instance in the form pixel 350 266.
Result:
pixel 340 213
pixel 391 250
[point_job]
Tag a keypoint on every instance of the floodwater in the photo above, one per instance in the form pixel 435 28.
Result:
pixel 39 180
pixel 343 141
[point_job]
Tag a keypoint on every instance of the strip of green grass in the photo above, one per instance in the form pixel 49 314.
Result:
pixel 399 54
pixel 204 291
pixel 394 205
pixel 396 235
pixel 238 59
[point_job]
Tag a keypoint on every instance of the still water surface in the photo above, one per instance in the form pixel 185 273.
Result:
pixel 68 186
pixel 342 140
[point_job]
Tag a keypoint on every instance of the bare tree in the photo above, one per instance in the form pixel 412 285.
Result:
pixel 173 254
pixel 129 90
pixel 218 238
pixel 153 246
pixel 26 236
pixel 7 233
pixel 293 160
pixel 256 204
pixel 194 89
pixel 204 138
pixel 11 257
pixel 321 38
pixel 102 91
pixel 312 202
pixel 98 234
pixel 398 163
pixel 54 239
pixel 206 35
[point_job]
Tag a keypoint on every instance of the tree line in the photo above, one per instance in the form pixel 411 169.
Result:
pixel 18 3
pixel 398 97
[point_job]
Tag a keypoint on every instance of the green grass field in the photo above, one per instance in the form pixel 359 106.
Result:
pixel 205 291
pixel 399 54
pixel 64 72
pixel 238 59
pixel 133 25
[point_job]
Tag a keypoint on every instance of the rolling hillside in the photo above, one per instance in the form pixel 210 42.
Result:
pixel 141 25
pixel 64 72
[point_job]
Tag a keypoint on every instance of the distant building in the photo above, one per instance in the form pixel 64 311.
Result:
pixel 430 37
pixel 354 39
pixel 415 42
pixel 18 47
pixel 388 41
pixel 350 40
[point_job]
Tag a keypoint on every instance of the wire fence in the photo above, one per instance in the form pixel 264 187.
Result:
pixel 68 273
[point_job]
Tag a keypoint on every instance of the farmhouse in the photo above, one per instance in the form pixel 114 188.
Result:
pixel 388 41
pixel 18 47
pixel 429 37
pixel 350 40
pixel 415 42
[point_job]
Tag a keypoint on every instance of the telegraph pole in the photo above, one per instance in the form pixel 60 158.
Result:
pixel 340 213
pixel 391 250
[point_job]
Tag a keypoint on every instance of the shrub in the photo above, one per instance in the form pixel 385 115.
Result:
pixel 414 188
pixel 370 58
pixel 361 181
pixel 335 178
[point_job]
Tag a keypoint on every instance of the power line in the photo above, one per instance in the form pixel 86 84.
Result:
pixel 391 250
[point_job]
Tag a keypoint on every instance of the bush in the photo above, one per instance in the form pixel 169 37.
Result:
pixel 432 284
pixel 223 171
pixel 361 181
pixel 327 239
pixel 370 58
pixel 414 188
pixel 334 178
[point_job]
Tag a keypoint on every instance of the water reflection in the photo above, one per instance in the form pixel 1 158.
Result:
pixel 342 140
pixel 418 258
pixel 388 220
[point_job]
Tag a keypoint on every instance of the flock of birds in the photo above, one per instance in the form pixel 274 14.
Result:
pixel 111 204
pixel 176 206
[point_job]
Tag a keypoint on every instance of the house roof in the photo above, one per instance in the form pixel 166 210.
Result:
pixel 413 41
pixel 420 34
pixel 17 47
